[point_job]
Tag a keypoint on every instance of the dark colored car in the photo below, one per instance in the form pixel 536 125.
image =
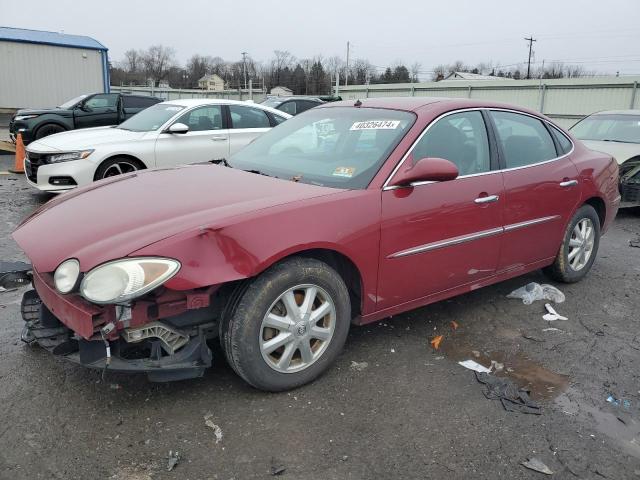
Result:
pixel 345 215
pixel 85 111
pixel 292 105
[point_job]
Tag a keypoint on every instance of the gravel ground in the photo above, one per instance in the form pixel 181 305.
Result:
pixel 410 412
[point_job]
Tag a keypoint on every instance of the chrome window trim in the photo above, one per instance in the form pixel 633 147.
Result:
pixel 386 186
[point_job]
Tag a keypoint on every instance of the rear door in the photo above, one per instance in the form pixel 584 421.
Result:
pixel 541 189
pixel 97 111
pixel 207 138
pixel 246 124
pixel 439 235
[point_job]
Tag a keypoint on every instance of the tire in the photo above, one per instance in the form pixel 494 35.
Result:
pixel 245 332
pixel 570 270
pixel 48 129
pixel 117 166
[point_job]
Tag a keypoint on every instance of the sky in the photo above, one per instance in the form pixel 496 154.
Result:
pixel 600 35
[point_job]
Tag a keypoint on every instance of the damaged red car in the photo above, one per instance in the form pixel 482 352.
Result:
pixel 344 215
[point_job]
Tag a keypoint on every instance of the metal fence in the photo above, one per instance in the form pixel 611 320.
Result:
pixel 176 94
pixel 565 100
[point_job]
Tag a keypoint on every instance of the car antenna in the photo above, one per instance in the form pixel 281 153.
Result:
pixel 358 103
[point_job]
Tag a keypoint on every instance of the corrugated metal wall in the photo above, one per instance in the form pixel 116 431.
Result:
pixel 34 75
pixel 565 100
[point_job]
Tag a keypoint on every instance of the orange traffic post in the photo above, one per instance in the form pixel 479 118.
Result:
pixel 18 166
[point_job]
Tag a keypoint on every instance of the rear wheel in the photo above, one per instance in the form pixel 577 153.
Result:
pixel 579 247
pixel 117 166
pixel 288 325
pixel 48 129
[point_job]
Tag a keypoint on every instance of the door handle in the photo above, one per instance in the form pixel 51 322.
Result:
pixel 568 183
pixel 487 199
pixel 218 139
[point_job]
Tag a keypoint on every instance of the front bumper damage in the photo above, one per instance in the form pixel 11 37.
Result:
pixel 164 337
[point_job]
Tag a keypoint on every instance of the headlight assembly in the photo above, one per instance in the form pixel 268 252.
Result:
pixel 20 118
pixel 122 280
pixel 68 156
pixel 66 275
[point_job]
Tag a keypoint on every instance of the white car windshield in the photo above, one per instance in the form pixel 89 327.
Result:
pixel 340 147
pixel 70 103
pixel 609 128
pixel 151 118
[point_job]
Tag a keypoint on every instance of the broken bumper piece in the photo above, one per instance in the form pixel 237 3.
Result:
pixel 162 352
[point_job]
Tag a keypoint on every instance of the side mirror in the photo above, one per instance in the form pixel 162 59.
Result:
pixel 179 128
pixel 85 108
pixel 426 170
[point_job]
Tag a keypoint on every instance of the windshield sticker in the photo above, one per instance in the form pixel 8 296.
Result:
pixel 346 172
pixel 376 125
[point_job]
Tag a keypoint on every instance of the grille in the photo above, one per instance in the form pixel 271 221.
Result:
pixel 32 163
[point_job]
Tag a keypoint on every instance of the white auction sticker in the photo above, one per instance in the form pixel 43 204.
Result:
pixel 376 125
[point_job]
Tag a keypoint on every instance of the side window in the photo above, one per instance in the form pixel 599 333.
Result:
pixel 103 100
pixel 565 143
pixel 524 139
pixel 248 117
pixel 460 138
pixel 304 105
pixel 203 118
pixel 288 107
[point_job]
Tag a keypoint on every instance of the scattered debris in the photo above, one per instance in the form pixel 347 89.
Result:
pixel 115 386
pixel 439 358
pixel 551 329
pixel 532 337
pixel 512 397
pixel 496 367
pixel 617 402
pixel 393 350
pixel 435 342
pixel 454 324
pixel 635 243
pixel 534 291
pixel 217 431
pixel 277 468
pixel 475 366
pixel 552 315
pixel 476 353
pixel 174 458
pixel 358 366
pixel 537 465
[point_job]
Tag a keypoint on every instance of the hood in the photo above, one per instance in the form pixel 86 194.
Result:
pixel 112 218
pixel 83 139
pixel 618 150
pixel 42 111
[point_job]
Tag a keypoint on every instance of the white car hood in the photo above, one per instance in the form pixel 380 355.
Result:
pixel 83 139
pixel 618 150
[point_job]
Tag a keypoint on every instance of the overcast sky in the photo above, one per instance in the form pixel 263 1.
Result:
pixel 601 35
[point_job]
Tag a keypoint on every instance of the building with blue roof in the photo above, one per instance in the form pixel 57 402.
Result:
pixel 40 69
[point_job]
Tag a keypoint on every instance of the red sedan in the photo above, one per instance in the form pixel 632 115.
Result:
pixel 343 215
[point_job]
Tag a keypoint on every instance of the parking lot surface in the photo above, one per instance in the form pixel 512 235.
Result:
pixel 402 410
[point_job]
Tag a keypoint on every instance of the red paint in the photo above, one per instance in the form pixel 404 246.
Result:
pixel 224 224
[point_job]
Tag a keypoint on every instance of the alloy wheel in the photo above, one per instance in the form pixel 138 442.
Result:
pixel 581 244
pixel 119 168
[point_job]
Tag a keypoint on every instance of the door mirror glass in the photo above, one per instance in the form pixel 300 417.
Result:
pixel 425 170
pixel 178 128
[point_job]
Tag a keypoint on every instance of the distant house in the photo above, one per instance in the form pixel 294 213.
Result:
pixel 472 76
pixel 211 82
pixel 281 91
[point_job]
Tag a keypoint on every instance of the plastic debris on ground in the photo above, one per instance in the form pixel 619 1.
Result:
pixel 512 397
pixel 617 402
pixel 538 466
pixel 635 243
pixel 475 366
pixel 534 291
pixel 358 366
pixel 435 342
pixel 277 468
pixel 217 431
pixel 552 315
pixel 551 329
pixel 454 324
pixel 174 458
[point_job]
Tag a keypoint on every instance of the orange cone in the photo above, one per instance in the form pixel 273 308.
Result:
pixel 20 154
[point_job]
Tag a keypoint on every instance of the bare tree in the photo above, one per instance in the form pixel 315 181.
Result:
pixel 132 61
pixel 415 72
pixel 157 61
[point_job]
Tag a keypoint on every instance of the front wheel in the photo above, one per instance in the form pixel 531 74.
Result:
pixel 117 166
pixel 579 247
pixel 48 129
pixel 288 325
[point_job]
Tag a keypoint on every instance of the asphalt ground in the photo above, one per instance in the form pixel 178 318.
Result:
pixel 410 412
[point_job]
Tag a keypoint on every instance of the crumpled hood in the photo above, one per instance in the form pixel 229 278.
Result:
pixel 112 218
pixel 84 138
pixel 620 151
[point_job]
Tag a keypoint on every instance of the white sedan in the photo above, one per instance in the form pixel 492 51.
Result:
pixel 169 133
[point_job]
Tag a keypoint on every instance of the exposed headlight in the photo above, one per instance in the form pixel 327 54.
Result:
pixel 122 280
pixel 68 156
pixel 66 275
pixel 19 118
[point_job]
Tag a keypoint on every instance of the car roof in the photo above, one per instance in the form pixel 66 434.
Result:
pixel 195 102
pixel 617 112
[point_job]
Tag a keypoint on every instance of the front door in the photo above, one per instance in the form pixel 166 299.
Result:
pixel 541 189
pixel 206 140
pixel 97 111
pixel 439 235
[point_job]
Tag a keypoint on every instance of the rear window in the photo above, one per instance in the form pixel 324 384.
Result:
pixel 609 128
pixel 138 102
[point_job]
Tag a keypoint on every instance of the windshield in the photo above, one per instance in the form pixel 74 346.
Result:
pixel 151 118
pixel 70 103
pixel 340 147
pixel 609 127
pixel 272 102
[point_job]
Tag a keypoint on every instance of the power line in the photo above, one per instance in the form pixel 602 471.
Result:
pixel 530 40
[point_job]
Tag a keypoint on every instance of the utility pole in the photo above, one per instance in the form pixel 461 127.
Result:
pixel 346 76
pixel 530 40
pixel 244 68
